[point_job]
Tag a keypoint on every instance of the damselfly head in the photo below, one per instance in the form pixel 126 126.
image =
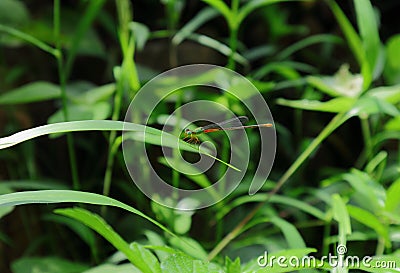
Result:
pixel 188 131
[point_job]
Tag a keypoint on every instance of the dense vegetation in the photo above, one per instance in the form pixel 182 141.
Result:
pixel 329 71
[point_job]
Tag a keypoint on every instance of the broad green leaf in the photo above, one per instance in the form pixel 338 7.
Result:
pixel 17 19
pixel 32 92
pixel 135 253
pixel 292 236
pixel 183 263
pixel 141 34
pixel 202 17
pixel 177 263
pixel 341 215
pixel 369 193
pixel 368 27
pixel 368 105
pixel 97 111
pixel 45 265
pixel 336 105
pixel 392 203
pixel 370 220
pixel 93 95
pixel 19 16
pixel 392 65
pixel 390 94
pixel 189 246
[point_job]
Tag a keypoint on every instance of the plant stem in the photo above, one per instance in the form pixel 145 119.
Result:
pixel 63 80
pixel 233 35
pixel 127 80
pixel 367 136
pixel 30 39
pixel 333 124
pixel 175 152
pixel 380 248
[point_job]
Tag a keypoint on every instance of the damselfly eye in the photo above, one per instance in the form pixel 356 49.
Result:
pixel 188 132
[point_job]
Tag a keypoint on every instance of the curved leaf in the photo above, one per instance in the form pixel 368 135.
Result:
pixel 203 16
pixel 222 8
pixel 255 4
pixel 336 105
pixel 136 254
pixel 69 196
pixel 370 220
pixel 32 92
pixel 368 27
pixel 147 134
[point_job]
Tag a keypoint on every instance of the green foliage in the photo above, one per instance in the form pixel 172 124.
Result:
pixel 335 183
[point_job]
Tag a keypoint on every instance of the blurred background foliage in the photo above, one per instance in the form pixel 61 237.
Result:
pixel 321 66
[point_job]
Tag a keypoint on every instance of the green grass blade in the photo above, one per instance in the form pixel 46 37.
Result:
pixel 69 196
pixel 276 199
pixel 341 215
pixel 218 46
pixel 315 39
pixel 92 10
pixel 336 105
pixel 370 220
pixel 251 6
pixel 368 28
pixel 354 42
pixel 202 17
pixel 222 8
pixel 147 134
pixel 136 254
pixel 292 236
pixel 392 203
